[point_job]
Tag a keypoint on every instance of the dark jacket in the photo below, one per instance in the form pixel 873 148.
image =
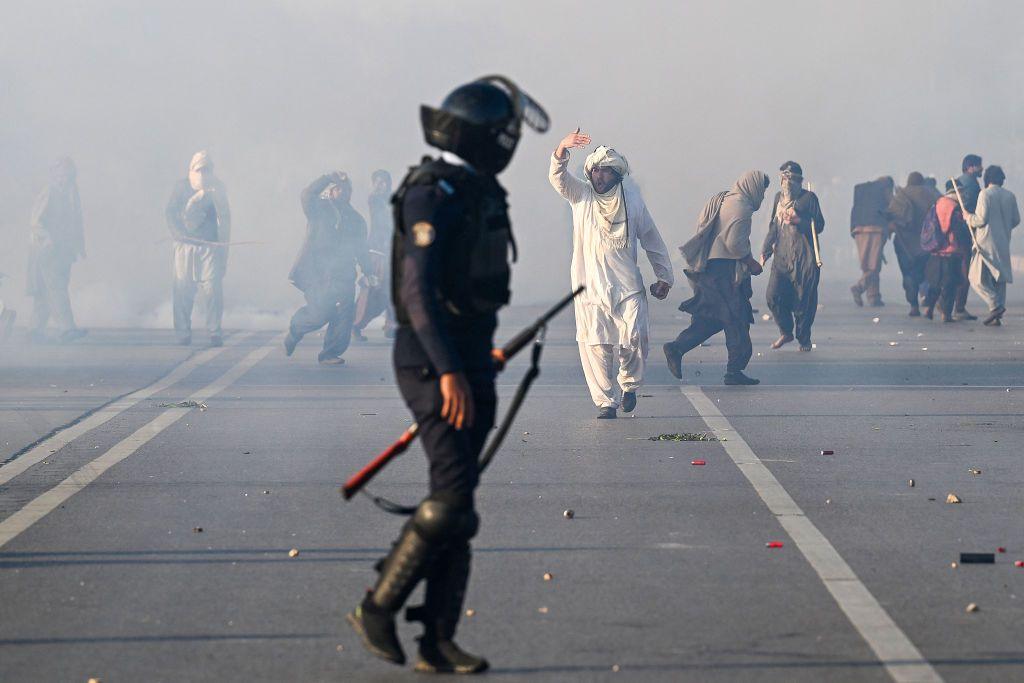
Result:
pixel 907 212
pixel 335 242
pixel 970 190
pixel 871 204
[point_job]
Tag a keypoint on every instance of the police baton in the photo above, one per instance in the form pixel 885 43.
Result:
pixel 501 356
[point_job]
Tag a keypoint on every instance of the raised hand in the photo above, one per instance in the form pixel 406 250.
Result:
pixel 571 141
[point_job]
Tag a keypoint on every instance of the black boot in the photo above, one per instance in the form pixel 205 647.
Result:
pixel 738 378
pixel 401 570
pixel 674 360
pixel 376 627
pixel 440 612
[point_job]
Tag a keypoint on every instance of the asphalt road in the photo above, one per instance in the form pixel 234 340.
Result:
pixel 663 574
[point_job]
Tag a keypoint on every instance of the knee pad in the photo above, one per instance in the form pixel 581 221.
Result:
pixel 440 521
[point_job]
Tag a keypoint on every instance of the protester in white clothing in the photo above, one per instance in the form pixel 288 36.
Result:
pixel 199 220
pixel 994 218
pixel 609 221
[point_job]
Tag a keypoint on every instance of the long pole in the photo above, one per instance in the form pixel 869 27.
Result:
pixel 814 235
pixel 960 200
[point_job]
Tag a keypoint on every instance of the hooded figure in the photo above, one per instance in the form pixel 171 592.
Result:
pixel 56 241
pixel 720 266
pixel 374 289
pixel 610 222
pixel 199 219
pixel 907 211
pixel 993 220
pixel 793 285
pixel 325 269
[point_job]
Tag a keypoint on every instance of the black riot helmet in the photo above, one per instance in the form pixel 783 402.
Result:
pixel 480 122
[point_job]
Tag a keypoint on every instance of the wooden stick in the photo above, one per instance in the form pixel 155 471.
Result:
pixel 814 235
pixel 960 199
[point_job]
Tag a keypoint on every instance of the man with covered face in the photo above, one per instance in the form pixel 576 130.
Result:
pixel 325 270
pixel 56 241
pixel 720 266
pixel 199 219
pixel 907 211
pixel 793 285
pixel 609 222
pixel 374 291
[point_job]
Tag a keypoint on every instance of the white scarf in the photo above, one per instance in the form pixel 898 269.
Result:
pixel 611 205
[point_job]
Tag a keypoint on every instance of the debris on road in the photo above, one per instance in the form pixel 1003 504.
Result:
pixel 977 558
pixel 470 612
pixel 974 470
pixel 954 565
pixel 973 607
pixel 773 544
pixel 294 552
pixel 1000 549
pixel 197 529
pixel 184 404
pixel 542 610
pixel 266 492
pixel 826 451
pixel 893 343
pixel 615 668
pixel 683 436
pixel 698 462
pixel 568 514
pixel 910 483
pixel 548 576
pixel 1019 563
pixel 875 320
pixel 953 498
pixel 828 501
pixel 766 317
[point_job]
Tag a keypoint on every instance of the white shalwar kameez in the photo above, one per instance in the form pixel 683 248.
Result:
pixel 611 315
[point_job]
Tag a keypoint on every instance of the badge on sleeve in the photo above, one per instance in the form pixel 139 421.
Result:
pixel 422 234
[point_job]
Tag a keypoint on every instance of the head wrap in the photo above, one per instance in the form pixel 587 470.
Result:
pixel 611 207
pixel 341 181
pixel 200 159
pixel 751 186
pixel 792 179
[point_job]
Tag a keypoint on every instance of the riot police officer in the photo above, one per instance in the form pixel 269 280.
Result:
pixel 451 273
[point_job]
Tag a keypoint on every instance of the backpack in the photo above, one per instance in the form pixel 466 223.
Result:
pixel 933 239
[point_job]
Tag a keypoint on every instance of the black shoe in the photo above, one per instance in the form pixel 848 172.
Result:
pixel 738 378
pixel 674 360
pixel 71 335
pixel 994 314
pixel 216 341
pixel 876 303
pixel 806 347
pixel 996 322
pixel 857 295
pixel 606 413
pixel 358 337
pixel 331 360
pixel 377 629
pixel 915 312
pixel 964 315
pixel 445 657
pixel 628 401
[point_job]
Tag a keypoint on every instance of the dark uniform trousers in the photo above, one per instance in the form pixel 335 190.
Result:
pixel 913 270
pixel 737 339
pixel 452 453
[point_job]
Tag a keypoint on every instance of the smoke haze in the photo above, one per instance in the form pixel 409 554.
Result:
pixel 280 92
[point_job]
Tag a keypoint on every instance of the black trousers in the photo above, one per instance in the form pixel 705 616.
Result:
pixel 452 453
pixel 792 306
pixel 913 270
pixel 737 339
pixel 945 275
pixel 334 306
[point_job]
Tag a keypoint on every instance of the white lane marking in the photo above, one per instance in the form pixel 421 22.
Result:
pixel 900 657
pixel 50 446
pixel 47 502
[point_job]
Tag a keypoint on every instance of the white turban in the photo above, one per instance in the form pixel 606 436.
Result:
pixel 606 157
